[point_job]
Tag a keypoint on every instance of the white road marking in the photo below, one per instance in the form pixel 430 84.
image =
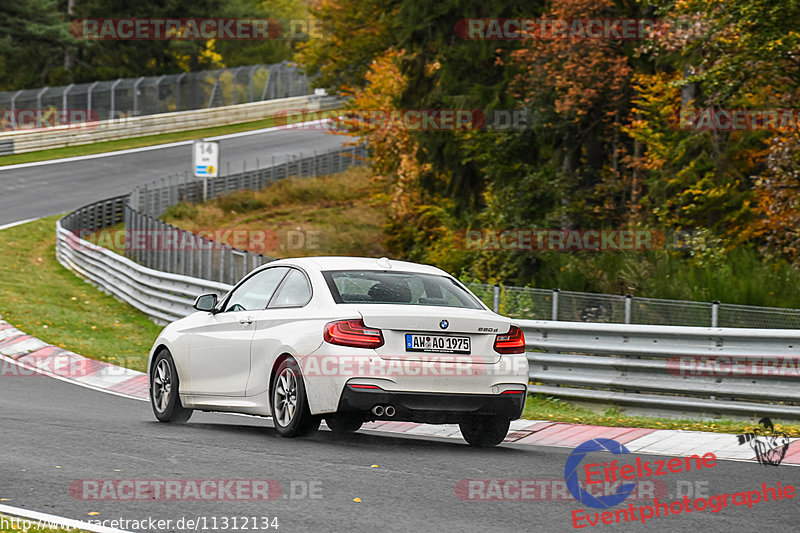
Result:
pixel 57 520
pixel 18 223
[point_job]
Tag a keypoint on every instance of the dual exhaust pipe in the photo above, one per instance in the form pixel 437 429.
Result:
pixel 380 410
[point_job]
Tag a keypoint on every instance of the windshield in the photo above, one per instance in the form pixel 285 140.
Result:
pixel 382 287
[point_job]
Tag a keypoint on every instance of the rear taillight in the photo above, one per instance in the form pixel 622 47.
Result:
pixel 511 342
pixel 352 333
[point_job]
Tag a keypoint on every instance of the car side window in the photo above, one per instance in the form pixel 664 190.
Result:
pixel 256 291
pixel 294 292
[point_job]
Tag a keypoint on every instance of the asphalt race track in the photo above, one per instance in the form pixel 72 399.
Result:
pixel 52 188
pixel 56 433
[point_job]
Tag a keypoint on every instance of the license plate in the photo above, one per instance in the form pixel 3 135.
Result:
pixel 436 343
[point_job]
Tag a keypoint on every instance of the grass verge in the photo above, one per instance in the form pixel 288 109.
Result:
pixel 43 299
pixel 540 407
pixel 139 142
pixel 339 214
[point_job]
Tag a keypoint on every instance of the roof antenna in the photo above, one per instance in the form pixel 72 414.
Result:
pixel 383 262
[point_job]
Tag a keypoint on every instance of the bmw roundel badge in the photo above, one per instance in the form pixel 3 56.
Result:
pixel 443 324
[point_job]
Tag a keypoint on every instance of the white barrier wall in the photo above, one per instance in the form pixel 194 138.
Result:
pixel 18 142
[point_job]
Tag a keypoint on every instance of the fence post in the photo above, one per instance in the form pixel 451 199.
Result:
pixel 64 96
pixel 158 91
pixel 178 91
pixel 496 298
pixel 235 86
pixel 39 106
pixel 267 85
pixel 113 101
pixel 89 101
pixel 628 298
pixel 136 96
pixel 250 76
pixel 222 263
pixel 209 258
pixel 555 303
pixel 14 108
pixel 715 313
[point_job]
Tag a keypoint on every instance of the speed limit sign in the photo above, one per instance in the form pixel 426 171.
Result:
pixel 205 159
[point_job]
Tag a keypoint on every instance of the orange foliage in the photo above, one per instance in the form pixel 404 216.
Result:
pixel 583 73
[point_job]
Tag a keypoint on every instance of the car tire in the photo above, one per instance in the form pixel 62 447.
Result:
pixel 164 387
pixel 484 431
pixel 289 404
pixel 345 423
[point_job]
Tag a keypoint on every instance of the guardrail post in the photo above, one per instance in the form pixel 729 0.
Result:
pixel 628 298
pixel 715 313
pixel 555 303
pixel 496 298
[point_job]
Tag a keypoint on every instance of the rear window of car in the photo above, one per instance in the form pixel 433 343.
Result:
pixel 405 288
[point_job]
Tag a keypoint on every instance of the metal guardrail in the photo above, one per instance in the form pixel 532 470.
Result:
pixel 162 296
pixel 569 306
pixel 163 283
pixel 708 371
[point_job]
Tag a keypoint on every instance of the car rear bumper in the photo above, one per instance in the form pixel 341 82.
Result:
pixel 430 407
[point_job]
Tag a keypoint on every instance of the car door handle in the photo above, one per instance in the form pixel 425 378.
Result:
pixel 246 321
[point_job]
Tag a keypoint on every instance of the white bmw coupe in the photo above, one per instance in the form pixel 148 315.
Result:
pixel 349 340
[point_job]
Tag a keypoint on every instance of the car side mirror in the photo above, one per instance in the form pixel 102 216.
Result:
pixel 205 302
